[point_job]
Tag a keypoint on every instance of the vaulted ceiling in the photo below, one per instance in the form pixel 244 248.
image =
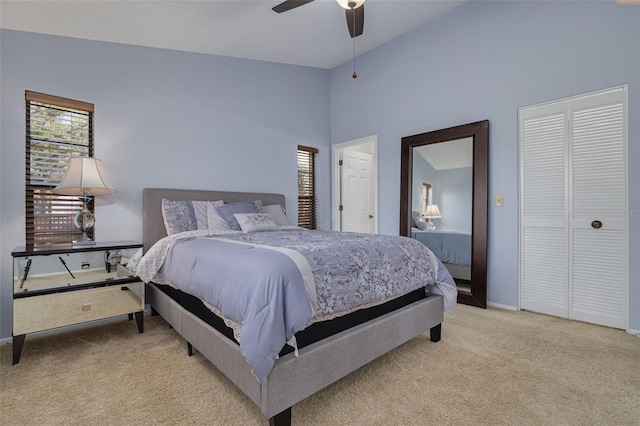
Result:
pixel 312 35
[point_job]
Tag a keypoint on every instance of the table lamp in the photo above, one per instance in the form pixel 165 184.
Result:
pixel 84 177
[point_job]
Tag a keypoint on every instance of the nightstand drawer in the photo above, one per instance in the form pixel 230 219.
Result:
pixel 73 307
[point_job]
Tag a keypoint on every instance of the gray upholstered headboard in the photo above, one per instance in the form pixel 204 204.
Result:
pixel 153 224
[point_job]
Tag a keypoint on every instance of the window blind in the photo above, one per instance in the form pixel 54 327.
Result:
pixel 56 129
pixel 307 187
pixel 426 197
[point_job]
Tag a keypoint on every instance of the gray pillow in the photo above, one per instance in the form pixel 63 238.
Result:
pixel 277 212
pixel 228 210
pixel 215 222
pixel 179 216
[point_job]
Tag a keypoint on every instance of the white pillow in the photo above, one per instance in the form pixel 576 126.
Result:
pixel 200 209
pixel 254 222
pixel 215 221
pixel 277 213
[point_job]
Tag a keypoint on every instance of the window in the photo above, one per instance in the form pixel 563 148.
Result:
pixel 56 129
pixel 307 187
pixel 426 197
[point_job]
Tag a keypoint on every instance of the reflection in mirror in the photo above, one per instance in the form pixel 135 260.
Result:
pixel 442 202
pixel 46 273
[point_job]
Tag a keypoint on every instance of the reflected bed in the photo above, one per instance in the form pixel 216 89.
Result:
pixel 451 247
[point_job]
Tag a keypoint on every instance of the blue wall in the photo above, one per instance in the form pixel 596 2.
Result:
pixel 175 119
pixel 423 172
pixel 484 60
pixel 453 194
pixel 451 191
pixel 163 119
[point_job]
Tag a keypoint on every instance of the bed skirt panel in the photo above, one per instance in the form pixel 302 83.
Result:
pixel 223 353
pixel 164 305
pixel 322 363
pixel 216 347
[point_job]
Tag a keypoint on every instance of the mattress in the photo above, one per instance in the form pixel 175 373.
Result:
pixel 312 334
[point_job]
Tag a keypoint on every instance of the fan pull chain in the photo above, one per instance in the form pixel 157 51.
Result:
pixel 354 59
pixel 354 44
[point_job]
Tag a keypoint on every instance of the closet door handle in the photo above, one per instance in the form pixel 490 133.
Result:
pixel 596 224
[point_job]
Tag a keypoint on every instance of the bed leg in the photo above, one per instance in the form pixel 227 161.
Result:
pixel 281 419
pixel 436 333
pixel 189 349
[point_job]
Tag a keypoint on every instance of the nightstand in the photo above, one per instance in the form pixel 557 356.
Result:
pixel 62 284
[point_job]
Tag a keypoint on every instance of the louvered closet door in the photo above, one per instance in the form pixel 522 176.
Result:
pixel 543 233
pixel 573 204
pixel 598 268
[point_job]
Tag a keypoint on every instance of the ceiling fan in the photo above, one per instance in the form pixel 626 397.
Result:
pixel 354 10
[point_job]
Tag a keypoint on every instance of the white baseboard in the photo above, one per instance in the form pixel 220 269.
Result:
pixel 500 306
pixel 513 308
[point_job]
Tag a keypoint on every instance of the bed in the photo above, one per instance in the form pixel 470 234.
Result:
pixel 451 247
pixel 332 352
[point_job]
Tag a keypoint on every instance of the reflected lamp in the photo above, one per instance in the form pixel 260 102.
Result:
pixel 431 212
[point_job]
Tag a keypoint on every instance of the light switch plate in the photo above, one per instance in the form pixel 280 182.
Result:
pixel 499 200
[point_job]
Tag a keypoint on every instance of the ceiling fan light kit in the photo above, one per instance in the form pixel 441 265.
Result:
pixel 355 18
pixel 354 10
pixel 350 4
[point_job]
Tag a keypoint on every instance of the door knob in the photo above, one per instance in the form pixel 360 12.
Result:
pixel 370 216
pixel 596 224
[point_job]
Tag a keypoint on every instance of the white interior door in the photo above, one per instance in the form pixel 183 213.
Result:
pixel 357 192
pixel 573 230
pixel 598 269
pixel 543 233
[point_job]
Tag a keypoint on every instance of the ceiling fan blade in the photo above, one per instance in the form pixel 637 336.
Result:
pixel 355 30
pixel 289 4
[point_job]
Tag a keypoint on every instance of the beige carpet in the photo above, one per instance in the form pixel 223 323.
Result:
pixel 492 367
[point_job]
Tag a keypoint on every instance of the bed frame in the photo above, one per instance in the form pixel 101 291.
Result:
pixel 292 378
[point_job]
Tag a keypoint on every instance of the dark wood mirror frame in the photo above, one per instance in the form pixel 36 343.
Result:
pixel 479 131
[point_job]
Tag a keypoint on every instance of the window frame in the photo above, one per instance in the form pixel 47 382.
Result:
pixel 47 150
pixel 427 194
pixel 307 194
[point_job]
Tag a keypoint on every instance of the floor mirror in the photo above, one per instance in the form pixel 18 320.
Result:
pixel 444 201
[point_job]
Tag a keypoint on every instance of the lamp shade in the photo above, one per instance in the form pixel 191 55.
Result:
pixel 347 3
pixel 432 212
pixel 84 177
